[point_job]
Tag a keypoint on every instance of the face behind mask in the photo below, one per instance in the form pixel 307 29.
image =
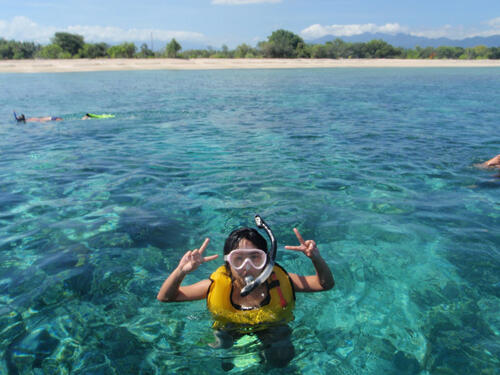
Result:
pixel 245 259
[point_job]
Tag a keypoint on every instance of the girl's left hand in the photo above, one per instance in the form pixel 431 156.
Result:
pixel 308 247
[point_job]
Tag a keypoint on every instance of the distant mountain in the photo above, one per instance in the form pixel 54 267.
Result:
pixel 410 41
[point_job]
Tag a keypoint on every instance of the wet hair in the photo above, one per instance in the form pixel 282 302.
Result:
pixel 249 234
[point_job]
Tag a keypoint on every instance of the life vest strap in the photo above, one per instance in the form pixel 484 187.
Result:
pixel 276 284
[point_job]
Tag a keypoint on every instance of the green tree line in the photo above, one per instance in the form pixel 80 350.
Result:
pixel 280 44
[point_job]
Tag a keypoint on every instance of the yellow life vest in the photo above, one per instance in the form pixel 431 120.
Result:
pixel 277 308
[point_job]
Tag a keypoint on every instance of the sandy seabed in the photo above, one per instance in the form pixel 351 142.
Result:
pixel 94 65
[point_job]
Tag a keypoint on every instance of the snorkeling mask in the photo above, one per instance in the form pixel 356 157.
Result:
pixel 246 258
pixel 252 283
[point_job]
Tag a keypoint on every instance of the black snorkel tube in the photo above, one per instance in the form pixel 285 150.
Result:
pixel 21 118
pixel 271 257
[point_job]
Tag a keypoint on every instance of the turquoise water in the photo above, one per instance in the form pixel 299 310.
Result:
pixel 376 165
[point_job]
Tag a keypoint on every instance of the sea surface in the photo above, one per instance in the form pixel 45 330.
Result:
pixel 375 165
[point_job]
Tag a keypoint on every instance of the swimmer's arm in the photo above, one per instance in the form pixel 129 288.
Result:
pixel 323 280
pixel 172 291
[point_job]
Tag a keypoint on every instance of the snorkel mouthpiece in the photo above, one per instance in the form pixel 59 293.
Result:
pixel 271 256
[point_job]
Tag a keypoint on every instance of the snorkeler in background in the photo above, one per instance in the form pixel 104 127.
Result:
pixel 241 306
pixel 22 118
pixel 492 163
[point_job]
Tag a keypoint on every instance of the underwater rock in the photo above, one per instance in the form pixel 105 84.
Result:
pixel 406 363
pixel 46 345
pixel 93 362
pixel 148 328
pixel 11 327
pixel 121 308
pixel 57 262
pixel 457 336
pixel 110 240
pixel 120 342
pixel 24 286
pixel 29 352
pixel 151 228
pixel 451 291
pixel 81 280
pixel 124 350
pixel 111 278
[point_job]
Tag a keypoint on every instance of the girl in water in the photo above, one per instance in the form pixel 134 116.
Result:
pixel 249 293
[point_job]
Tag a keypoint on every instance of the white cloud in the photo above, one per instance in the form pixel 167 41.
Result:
pixel 241 2
pixel 445 31
pixel 24 29
pixel 117 35
pixel 495 23
pixel 318 31
pixel 459 32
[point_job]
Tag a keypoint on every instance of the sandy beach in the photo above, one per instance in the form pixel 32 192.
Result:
pixel 93 65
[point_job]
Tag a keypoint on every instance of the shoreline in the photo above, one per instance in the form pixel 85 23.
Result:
pixel 96 65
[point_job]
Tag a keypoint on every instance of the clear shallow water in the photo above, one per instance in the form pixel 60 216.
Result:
pixel 376 165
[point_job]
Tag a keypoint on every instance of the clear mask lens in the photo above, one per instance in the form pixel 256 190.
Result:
pixel 244 258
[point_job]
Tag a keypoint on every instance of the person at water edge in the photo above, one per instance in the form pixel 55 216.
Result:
pixel 267 309
pixel 22 118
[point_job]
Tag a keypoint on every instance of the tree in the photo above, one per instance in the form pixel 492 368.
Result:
pixel 172 49
pixel 425 53
pixel 17 50
pixel 445 52
pixel 145 51
pixel 5 50
pixel 481 52
pixel 71 43
pixel 380 49
pixel 242 50
pixel 411 54
pixel 358 51
pixel 303 50
pixel 124 50
pixel 196 53
pixel 53 51
pixel 92 51
pixel 319 51
pixel 337 49
pixel 282 43
pixel 495 53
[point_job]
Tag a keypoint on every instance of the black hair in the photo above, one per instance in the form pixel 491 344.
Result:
pixel 249 234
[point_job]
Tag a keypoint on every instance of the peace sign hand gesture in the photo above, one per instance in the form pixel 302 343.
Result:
pixel 308 247
pixel 194 258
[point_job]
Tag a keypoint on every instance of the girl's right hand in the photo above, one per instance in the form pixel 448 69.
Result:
pixel 194 258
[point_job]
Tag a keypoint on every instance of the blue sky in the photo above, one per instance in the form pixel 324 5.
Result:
pixel 232 22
